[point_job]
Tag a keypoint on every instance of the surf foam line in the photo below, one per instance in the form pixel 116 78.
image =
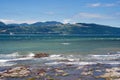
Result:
pixel 9 59
pixel 84 63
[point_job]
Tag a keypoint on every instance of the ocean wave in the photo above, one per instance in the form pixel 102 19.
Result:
pixel 2 64
pixel 85 63
pixel 16 55
pixel 55 59
pixel 8 59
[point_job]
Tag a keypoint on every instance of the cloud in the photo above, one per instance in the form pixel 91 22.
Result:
pixel 102 4
pixel 85 16
pixel 91 16
pixel 65 21
pixel 8 21
pixel 109 5
pixel 50 13
pixel 94 5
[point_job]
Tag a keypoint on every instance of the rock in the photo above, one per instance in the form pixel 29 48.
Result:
pixel 62 74
pixel 87 73
pixel 65 74
pixel 49 78
pixel 40 55
pixel 69 65
pixel 31 79
pixel 59 70
pixel 111 74
pixel 98 70
pixel 16 72
pixel 80 67
pixel 42 72
pixel 113 69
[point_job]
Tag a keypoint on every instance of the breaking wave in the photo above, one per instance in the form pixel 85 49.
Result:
pixel 55 59
pixel 8 59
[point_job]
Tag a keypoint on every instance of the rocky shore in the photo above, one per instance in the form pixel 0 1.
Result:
pixel 63 71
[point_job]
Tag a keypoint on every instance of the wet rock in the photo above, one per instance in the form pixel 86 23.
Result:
pixel 65 74
pixel 49 78
pixel 80 67
pixel 113 69
pixel 98 70
pixel 59 70
pixel 62 74
pixel 111 74
pixel 15 72
pixel 87 73
pixel 31 79
pixel 69 65
pixel 40 55
pixel 42 72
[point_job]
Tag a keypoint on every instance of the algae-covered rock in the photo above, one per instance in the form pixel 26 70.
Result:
pixel 31 79
pixel 40 55
pixel 42 72
pixel 59 70
pixel 20 71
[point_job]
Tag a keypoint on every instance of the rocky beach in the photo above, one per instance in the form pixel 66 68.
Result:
pixel 61 69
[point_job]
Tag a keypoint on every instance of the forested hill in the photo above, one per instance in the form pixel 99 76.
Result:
pixel 53 27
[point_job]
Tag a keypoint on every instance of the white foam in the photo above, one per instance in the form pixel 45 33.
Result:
pixel 15 54
pixel 81 63
pixel 118 52
pixel 74 63
pixel 105 57
pixel 6 60
pixel 55 56
pixel 2 64
pixel 31 55
pixel 65 43
pixel 2 61
pixel 54 63
pixel 109 62
pixel 84 63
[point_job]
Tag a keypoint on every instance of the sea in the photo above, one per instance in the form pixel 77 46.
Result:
pixel 19 49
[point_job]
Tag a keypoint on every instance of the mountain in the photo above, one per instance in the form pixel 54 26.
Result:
pixel 2 24
pixel 48 23
pixel 53 27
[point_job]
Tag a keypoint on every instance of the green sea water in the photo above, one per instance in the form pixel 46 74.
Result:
pixel 59 44
pixel 20 49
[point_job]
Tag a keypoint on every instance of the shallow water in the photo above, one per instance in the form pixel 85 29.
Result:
pixel 73 47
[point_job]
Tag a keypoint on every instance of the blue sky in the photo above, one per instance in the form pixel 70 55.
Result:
pixel 105 12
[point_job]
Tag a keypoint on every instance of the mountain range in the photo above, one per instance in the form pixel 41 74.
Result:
pixel 53 27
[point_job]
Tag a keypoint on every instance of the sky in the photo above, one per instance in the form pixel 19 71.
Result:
pixel 105 12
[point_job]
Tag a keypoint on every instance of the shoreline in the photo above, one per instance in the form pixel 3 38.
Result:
pixel 60 69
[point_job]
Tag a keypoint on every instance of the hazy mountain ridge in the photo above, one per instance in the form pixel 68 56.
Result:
pixel 53 27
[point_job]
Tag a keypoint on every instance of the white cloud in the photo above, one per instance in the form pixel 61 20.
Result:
pixel 109 5
pixel 27 21
pixel 65 21
pixel 102 4
pixel 91 16
pixel 94 5
pixel 8 21
pixel 87 16
pixel 50 13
